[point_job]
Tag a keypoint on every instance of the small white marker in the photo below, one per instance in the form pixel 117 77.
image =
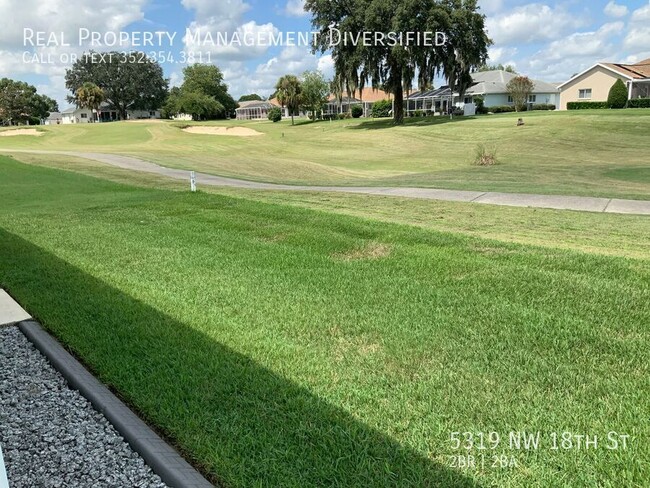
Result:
pixel 193 181
pixel 4 482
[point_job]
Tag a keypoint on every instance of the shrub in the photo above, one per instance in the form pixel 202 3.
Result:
pixel 275 114
pixel 485 156
pixel 617 95
pixel 356 111
pixel 501 109
pixel 382 108
pixel 586 105
pixel 544 106
pixel 418 113
pixel 480 106
pixel 345 115
pixel 639 103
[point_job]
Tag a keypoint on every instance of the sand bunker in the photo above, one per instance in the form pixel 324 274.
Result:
pixel 223 131
pixel 20 132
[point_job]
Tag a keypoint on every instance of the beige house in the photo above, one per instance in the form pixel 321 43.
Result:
pixel 593 85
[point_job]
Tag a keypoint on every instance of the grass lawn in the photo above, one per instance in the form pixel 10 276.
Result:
pixel 285 346
pixel 599 153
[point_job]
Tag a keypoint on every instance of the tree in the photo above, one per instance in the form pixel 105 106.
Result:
pixel 617 95
pixel 315 90
pixel 199 105
pixel 288 91
pixel 253 97
pixel 395 67
pixel 20 103
pixel 208 80
pixel 520 88
pixel 129 81
pixel 275 114
pixel 89 96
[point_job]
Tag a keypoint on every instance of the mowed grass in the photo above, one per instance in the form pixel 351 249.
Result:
pixel 597 153
pixel 279 346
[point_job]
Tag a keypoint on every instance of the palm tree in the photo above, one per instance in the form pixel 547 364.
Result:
pixel 90 96
pixel 288 93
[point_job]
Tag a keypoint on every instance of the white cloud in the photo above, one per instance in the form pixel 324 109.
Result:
pixel 638 34
pixel 532 23
pixel 612 9
pixel 295 8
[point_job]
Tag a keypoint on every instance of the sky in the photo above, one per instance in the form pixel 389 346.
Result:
pixel 546 40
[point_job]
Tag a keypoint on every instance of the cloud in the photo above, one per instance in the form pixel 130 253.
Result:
pixel 532 23
pixel 490 7
pixel 295 8
pixel 638 34
pixel 612 9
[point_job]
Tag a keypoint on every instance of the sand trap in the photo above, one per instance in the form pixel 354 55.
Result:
pixel 223 131
pixel 20 132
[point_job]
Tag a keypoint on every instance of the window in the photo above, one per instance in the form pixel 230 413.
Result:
pixel 585 94
pixel 468 99
pixel 510 100
pixel 532 98
pixel 84 116
pixel 152 113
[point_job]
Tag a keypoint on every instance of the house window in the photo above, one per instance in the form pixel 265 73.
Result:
pixel 532 98
pixel 510 100
pixel 84 116
pixel 468 99
pixel 585 94
pixel 152 113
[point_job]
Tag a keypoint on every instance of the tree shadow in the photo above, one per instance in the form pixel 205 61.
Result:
pixel 239 422
pixel 378 124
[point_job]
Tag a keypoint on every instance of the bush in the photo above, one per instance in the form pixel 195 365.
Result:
pixel 381 108
pixel 356 111
pixel 639 103
pixel 345 115
pixel 586 105
pixel 501 109
pixel 275 114
pixel 485 156
pixel 480 106
pixel 544 106
pixel 617 95
pixel 418 113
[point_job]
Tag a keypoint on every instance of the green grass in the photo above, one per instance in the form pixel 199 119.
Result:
pixel 281 346
pixel 600 153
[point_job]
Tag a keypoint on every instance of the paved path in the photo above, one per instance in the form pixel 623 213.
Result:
pixel 561 202
pixel 10 311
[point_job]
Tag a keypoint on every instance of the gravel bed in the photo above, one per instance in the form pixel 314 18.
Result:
pixel 50 435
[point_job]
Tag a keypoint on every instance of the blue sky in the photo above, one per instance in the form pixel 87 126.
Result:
pixel 548 40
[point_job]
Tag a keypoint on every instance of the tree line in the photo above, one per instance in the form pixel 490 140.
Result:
pixel 20 103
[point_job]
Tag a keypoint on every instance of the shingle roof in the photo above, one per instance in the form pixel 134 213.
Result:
pixel 492 82
pixel 256 104
pixel 637 71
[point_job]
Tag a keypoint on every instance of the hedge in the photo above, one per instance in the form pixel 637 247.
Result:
pixel 544 106
pixel 639 103
pixel 501 109
pixel 585 105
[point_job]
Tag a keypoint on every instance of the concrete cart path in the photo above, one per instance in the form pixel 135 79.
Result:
pixel 560 202
pixel 10 311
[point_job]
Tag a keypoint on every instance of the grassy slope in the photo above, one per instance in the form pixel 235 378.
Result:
pixel 288 347
pixel 600 153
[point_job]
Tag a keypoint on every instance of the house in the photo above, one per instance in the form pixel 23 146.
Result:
pixel 74 115
pixel 491 86
pixel 53 119
pixel 593 85
pixel 366 98
pixel 254 110
pixel 105 114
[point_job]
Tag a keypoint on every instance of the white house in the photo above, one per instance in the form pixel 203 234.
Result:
pixel 76 116
pixel 488 85
pixel 105 114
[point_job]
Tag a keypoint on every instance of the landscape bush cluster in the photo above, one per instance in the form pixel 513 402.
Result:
pixel 586 105
pixel 639 103
pixel 382 108
pixel 356 111
pixel 275 114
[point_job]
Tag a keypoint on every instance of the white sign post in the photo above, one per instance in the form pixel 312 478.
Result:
pixel 193 181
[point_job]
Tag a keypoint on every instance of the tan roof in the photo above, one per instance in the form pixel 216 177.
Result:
pixel 368 94
pixel 635 71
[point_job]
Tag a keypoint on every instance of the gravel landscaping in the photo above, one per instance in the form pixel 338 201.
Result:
pixel 50 435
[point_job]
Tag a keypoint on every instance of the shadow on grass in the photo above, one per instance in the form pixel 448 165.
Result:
pixel 242 424
pixel 376 124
